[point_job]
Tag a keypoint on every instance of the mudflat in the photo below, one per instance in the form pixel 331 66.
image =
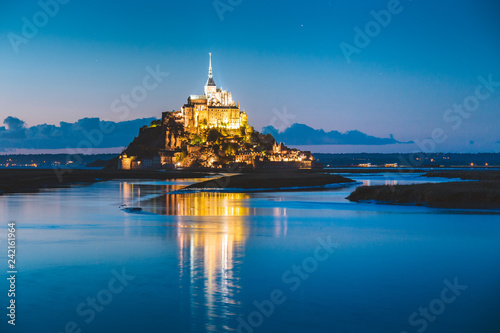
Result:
pixel 31 180
pixel 255 181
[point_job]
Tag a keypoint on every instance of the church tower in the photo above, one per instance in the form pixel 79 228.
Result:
pixel 210 87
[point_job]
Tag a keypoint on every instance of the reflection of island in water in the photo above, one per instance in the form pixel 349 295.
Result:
pixel 193 203
pixel 210 250
pixel 210 254
pixel 185 204
pixel 211 232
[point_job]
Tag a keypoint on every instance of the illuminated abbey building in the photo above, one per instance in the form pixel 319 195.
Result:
pixel 210 130
pixel 214 109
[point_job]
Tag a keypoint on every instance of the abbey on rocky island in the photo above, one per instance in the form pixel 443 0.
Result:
pixel 211 131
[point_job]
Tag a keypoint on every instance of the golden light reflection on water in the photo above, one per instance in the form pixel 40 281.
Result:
pixel 185 204
pixel 207 204
pixel 211 231
pixel 209 259
pixel 209 248
pixel 210 252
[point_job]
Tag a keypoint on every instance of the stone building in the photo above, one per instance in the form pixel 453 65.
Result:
pixel 214 109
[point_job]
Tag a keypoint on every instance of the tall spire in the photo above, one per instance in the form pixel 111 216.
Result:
pixel 210 81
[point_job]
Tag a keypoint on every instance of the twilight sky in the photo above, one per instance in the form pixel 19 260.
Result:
pixel 281 60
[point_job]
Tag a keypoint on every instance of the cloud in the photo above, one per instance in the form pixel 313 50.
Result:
pixel 14 131
pixel 84 133
pixel 300 134
pixel 14 123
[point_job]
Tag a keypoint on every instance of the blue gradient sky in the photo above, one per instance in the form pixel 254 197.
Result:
pixel 271 55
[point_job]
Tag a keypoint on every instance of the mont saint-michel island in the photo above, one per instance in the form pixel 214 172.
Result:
pixel 209 131
pixel 250 166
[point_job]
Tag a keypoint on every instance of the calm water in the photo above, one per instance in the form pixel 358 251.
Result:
pixel 243 262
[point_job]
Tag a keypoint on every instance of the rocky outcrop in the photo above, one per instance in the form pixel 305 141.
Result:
pixel 168 142
pixel 173 130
